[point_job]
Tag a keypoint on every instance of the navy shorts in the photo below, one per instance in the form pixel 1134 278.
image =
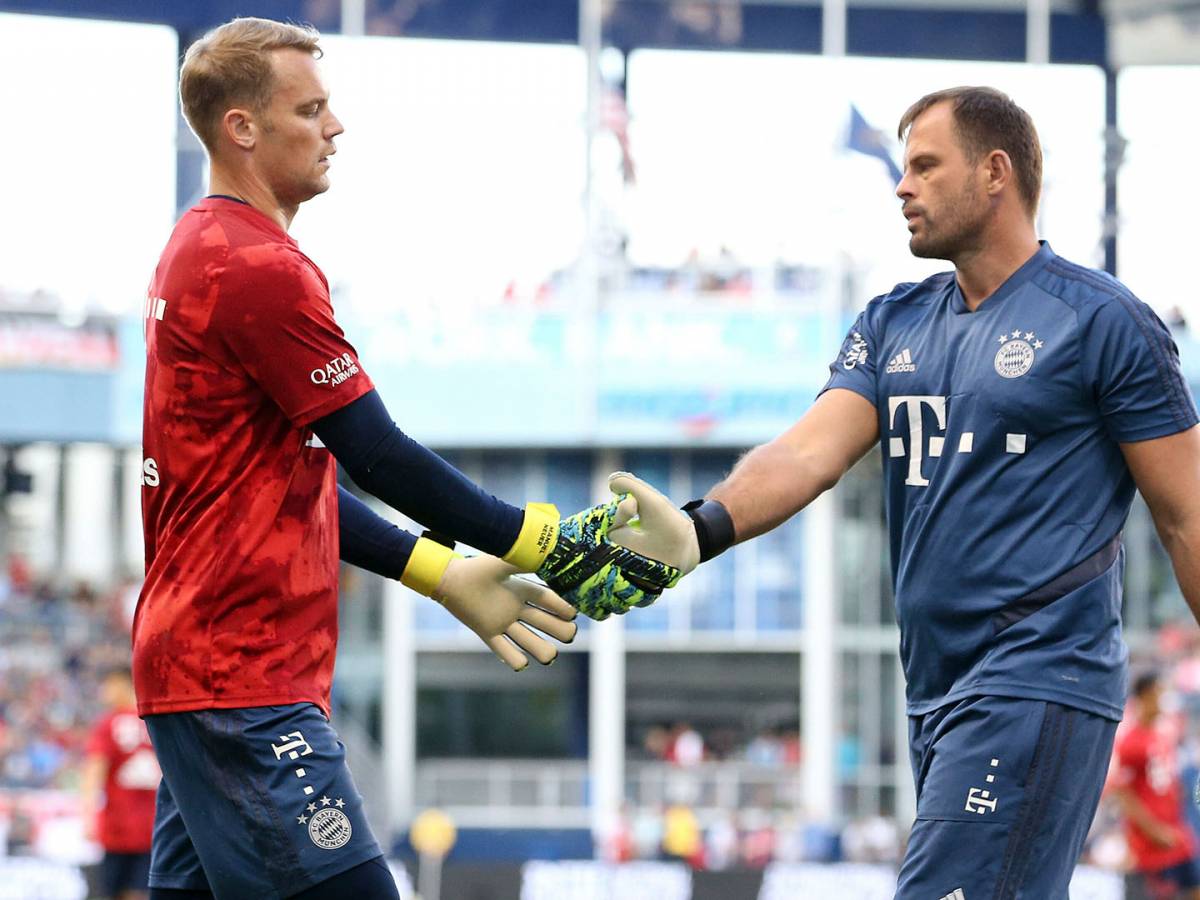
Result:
pixel 1006 792
pixel 255 804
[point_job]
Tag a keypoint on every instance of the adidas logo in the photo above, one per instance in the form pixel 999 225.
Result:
pixel 901 362
pixel 956 894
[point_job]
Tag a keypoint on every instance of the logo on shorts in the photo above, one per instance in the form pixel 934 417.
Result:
pixel 956 894
pixel 329 828
pixel 1016 354
pixel 294 745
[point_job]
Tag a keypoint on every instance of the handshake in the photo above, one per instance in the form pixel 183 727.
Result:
pixel 606 559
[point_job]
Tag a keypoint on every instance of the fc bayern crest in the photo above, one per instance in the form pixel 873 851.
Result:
pixel 1016 354
pixel 330 829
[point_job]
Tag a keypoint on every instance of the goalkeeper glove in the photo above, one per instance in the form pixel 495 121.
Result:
pixel 597 576
pixel 682 538
pixel 574 557
pixel 482 593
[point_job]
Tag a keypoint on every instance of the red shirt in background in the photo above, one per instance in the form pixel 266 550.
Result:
pixel 1147 765
pixel 127 819
pixel 239 503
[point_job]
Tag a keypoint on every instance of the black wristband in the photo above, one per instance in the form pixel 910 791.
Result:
pixel 714 527
pixel 438 538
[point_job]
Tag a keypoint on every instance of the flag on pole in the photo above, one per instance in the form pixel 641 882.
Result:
pixel 862 138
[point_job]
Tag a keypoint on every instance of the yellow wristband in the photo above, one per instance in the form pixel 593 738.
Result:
pixel 537 538
pixel 426 566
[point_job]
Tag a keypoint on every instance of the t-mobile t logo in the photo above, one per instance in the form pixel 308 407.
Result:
pixel 1015 443
pixel 916 433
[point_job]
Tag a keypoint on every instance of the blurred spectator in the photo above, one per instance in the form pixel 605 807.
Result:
pixel 647 833
pixel 656 742
pixel 686 746
pixel 721 843
pixel 758 838
pixel 120 780
pixel 681 840
pixel 1149 794
pixel 765 750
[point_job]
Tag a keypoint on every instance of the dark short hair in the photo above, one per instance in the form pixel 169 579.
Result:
pixel 1144 683
pixel 986 119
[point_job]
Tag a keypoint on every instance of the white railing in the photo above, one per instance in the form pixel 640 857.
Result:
pixel 554 793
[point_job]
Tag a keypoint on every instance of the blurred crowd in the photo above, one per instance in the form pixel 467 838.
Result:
pixel 55 641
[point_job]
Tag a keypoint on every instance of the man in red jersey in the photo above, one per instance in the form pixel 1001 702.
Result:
pixel 1151 799
pixel 252 392
pixel 120 778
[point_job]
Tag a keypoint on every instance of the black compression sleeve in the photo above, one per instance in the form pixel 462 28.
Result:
pixel 388 464
pixel 370 541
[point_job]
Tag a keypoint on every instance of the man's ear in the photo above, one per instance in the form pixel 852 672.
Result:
pixel 999 172
pixel 240 127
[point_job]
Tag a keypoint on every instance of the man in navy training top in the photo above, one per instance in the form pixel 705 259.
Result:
pixel 1018 402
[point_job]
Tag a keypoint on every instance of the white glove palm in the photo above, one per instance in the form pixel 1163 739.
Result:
pixel 650 524
pixel 483 594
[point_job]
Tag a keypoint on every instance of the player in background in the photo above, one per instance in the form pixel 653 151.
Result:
pixel 1150 795
pixel 120 780
pixel 1017 402
pixel 252 393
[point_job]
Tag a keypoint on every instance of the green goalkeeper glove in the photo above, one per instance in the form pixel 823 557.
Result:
pixel 575 557
pixel 596 576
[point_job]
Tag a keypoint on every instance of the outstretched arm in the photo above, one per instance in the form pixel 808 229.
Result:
pixel 776 480
pixel 770 484
pixel 572 555
pixel 407 476
pixel 1167 472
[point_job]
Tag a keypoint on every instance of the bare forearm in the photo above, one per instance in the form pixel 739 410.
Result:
pixel 773 482
pixel 1183 546
pixel 768 486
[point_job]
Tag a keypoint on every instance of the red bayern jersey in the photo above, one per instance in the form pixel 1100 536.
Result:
pixel 239 508
pixel 126 821
pixel 1147 765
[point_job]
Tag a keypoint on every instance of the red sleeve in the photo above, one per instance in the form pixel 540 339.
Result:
pixel 275 316
pixel 100 741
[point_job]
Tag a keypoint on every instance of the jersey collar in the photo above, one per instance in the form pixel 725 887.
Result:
pixel 242 208
pixel 1014 283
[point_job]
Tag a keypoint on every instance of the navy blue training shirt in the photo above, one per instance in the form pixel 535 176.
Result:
pixel 1006 490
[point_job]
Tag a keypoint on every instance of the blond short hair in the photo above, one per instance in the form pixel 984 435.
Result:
pixel 231 66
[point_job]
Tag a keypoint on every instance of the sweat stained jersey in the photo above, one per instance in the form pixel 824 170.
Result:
pixel 1006 489
pixel 239 508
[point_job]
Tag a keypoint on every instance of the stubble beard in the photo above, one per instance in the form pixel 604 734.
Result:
pixel 962 223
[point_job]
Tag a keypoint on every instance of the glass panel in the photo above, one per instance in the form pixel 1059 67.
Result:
pixel 569 480
pixel 778 576
pixel 504 476
pixel 713 595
